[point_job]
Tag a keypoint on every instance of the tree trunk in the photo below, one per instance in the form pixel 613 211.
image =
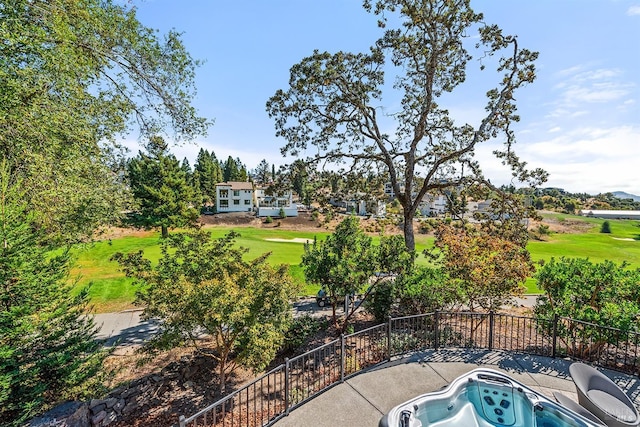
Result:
pixel 165 232
pixel 221 373
pixel 409 240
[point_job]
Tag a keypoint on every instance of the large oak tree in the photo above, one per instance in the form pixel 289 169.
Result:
pixel 334 104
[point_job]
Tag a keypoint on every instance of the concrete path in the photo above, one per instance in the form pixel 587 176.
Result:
pixel 124 328
pixel 365 398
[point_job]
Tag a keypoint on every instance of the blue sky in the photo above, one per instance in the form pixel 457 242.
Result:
pixel 580 119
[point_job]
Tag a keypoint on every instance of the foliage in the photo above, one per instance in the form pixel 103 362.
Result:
pixel 556 199
pixel 541 231
pixel 421 290
pixel 301 329
pixel 73 77
pixel 160 187
pixel 606 227
pixel 208 173
pixel 333 101
pixel 348 263
pixel 234 171
pixel 604 293
pixel 204 285
pixel 48 350
pixel 488 270
pixel 342 264
pixel 282 213
pixel 262 173
pixel 268 220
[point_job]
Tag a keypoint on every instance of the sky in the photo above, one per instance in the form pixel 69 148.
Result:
pixel 580 119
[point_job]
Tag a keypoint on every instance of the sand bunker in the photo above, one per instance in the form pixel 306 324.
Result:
pixel 296 240
pixel 626 239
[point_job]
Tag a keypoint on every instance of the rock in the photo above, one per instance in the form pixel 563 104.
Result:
pixel 119 406
pixel 96 409
pixel 188 384
pixel 68 414
pixel 110 402
pixel 96 420
pixel 131 406
pixel 129 392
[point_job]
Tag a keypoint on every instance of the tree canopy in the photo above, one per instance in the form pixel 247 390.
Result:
pixel 203 285
pixel 74 76
pixel 47 344
pixel 333 105
pixel 487 271
pixel 345 263
pixel 164 196
pixel 602 293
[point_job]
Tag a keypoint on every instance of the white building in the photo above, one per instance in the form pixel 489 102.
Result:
pixel 611 214
pixel 273 205
pixel 234 197
pixel 433 205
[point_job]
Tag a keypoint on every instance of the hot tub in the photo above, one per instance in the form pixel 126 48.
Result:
pixel 483 398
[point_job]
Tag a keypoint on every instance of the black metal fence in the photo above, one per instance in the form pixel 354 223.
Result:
pixel 273 395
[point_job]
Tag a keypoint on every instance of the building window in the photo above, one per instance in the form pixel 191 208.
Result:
pixel 236 202
pixel 224 203
pixel 247 202
pixel 236 193
pixel 224 193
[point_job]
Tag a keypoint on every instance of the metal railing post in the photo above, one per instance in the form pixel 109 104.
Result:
pixel 389 340
pixel 436 326
pixel 286 385
pixel 554 336
pixel 342 357
pixel 491 328
pixel 181 421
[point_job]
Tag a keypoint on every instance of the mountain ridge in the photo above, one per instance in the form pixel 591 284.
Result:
pixel 625 195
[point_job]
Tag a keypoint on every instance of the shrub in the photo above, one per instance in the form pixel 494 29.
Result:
pixel 301 329
pixel 606 227
pixel 282 213
pixel 268 220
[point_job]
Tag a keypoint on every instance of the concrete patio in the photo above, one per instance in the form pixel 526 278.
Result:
pixel 363 399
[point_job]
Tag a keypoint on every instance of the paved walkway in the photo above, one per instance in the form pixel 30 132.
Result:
pixel 362 400
pixel 124 328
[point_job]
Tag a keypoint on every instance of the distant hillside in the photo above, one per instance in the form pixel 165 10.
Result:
pixel 623 195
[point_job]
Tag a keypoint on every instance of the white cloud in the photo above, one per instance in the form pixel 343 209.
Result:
pixel 592 160
pixel 633 10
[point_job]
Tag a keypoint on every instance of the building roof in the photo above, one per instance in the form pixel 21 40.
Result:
pixel 236 185
pixel 610 213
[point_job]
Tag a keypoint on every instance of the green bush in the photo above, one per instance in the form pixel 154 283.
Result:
pixel 282 213
pixel 268 220
pixel 606 227
pixel 601 293
pixel 301 329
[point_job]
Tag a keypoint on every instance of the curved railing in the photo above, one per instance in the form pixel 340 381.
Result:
pixel 299 379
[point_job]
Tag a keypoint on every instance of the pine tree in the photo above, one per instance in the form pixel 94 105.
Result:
pixel 160 187
pixel 47 344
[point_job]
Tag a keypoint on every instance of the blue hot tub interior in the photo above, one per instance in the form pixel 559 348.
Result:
pixel 486 400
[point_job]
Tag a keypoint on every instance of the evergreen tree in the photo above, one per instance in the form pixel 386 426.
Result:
pixel 209 174
pixel 234 170
pixel 261 173
pixel 47 345
pixel 160 187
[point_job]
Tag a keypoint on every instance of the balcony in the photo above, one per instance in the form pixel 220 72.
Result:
pixel 357 378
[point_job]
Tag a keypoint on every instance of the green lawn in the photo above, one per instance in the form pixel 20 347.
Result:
pixel 111 291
